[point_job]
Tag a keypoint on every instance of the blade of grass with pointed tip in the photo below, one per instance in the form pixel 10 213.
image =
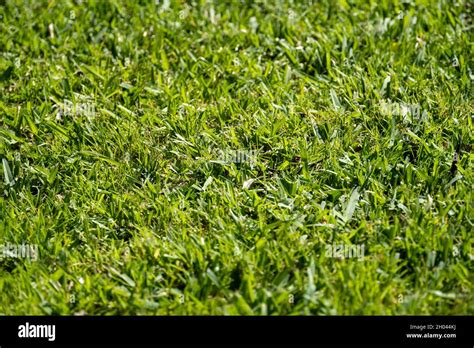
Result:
pixel 351 205
pixel 7 173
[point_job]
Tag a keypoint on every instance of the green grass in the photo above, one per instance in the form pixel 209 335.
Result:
pixel 135 207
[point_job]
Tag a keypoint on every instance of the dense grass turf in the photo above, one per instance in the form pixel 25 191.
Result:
pixel 217 154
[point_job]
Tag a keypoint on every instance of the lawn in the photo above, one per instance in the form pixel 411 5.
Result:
pixel 236 157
